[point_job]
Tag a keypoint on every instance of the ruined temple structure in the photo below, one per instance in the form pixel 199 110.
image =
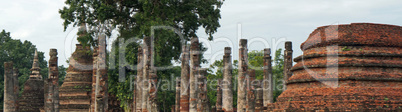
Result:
pixel 32 99
pixel 75 92
pixel 351 67
pixel 85 85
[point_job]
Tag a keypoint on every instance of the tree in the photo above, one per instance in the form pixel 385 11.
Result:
pixel 167 88
pixel 135 19
pixel 22 55
pixel 277 70
pixel 255 60
pixel 62 74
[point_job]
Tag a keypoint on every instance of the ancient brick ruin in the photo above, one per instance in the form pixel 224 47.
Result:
pixel 227 85
pixel 75 92
pixel 11 91
pixel 32 99
pixel 353 67
pixel 184 82
pixel 243 67
pixel 52 84
pixel 84 88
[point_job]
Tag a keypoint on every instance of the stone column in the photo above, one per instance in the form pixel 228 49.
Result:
pixel 9 97
pixel 259 98
pixel 146 69
pixel 288 63
pixel 98 96
pixel 185 78
pixel 177 98
pixel 241 89
pixel 202 101
pixel 153 103
pixel 139 79
pixel 227 87
pixel 16 87
pixel 94 72
pixel 101 102
pixel 219 96
pixel 268 87
pixel 195 63
pixel 52 84
pixel 250 107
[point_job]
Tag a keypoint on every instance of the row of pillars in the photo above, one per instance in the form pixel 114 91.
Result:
pixel 145 91
pixel 193 86
pixel 192 98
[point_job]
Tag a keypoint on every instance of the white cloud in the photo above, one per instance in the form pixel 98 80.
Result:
pixel 39 21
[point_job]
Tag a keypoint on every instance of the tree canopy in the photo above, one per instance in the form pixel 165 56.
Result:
pixel 136 17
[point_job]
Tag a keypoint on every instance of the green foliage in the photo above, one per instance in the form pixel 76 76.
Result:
pixel 22 55
pixel 277 71
pixel 167 88
pixel 62 74
pixel 256 62
pixel 136 18
pixel 122 89
pixel 346 48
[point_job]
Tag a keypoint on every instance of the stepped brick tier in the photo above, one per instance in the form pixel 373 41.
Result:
pixel 32 99
pixel 75 93
pixel 33 96
pixel 353 67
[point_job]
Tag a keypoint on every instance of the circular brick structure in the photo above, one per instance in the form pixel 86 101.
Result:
pixel 352 67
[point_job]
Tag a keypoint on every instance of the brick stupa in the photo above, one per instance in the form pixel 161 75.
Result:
pixel 33 96
pixel 352 67
pixel 76 90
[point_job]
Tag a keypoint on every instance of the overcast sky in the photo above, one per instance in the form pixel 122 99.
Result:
pixel 266 23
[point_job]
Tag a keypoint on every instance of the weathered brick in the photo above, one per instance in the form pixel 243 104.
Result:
pixel 355 67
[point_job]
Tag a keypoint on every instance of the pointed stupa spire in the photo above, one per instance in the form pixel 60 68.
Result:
pixel 35 68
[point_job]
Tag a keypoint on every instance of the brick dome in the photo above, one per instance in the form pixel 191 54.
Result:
pixel 352 67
